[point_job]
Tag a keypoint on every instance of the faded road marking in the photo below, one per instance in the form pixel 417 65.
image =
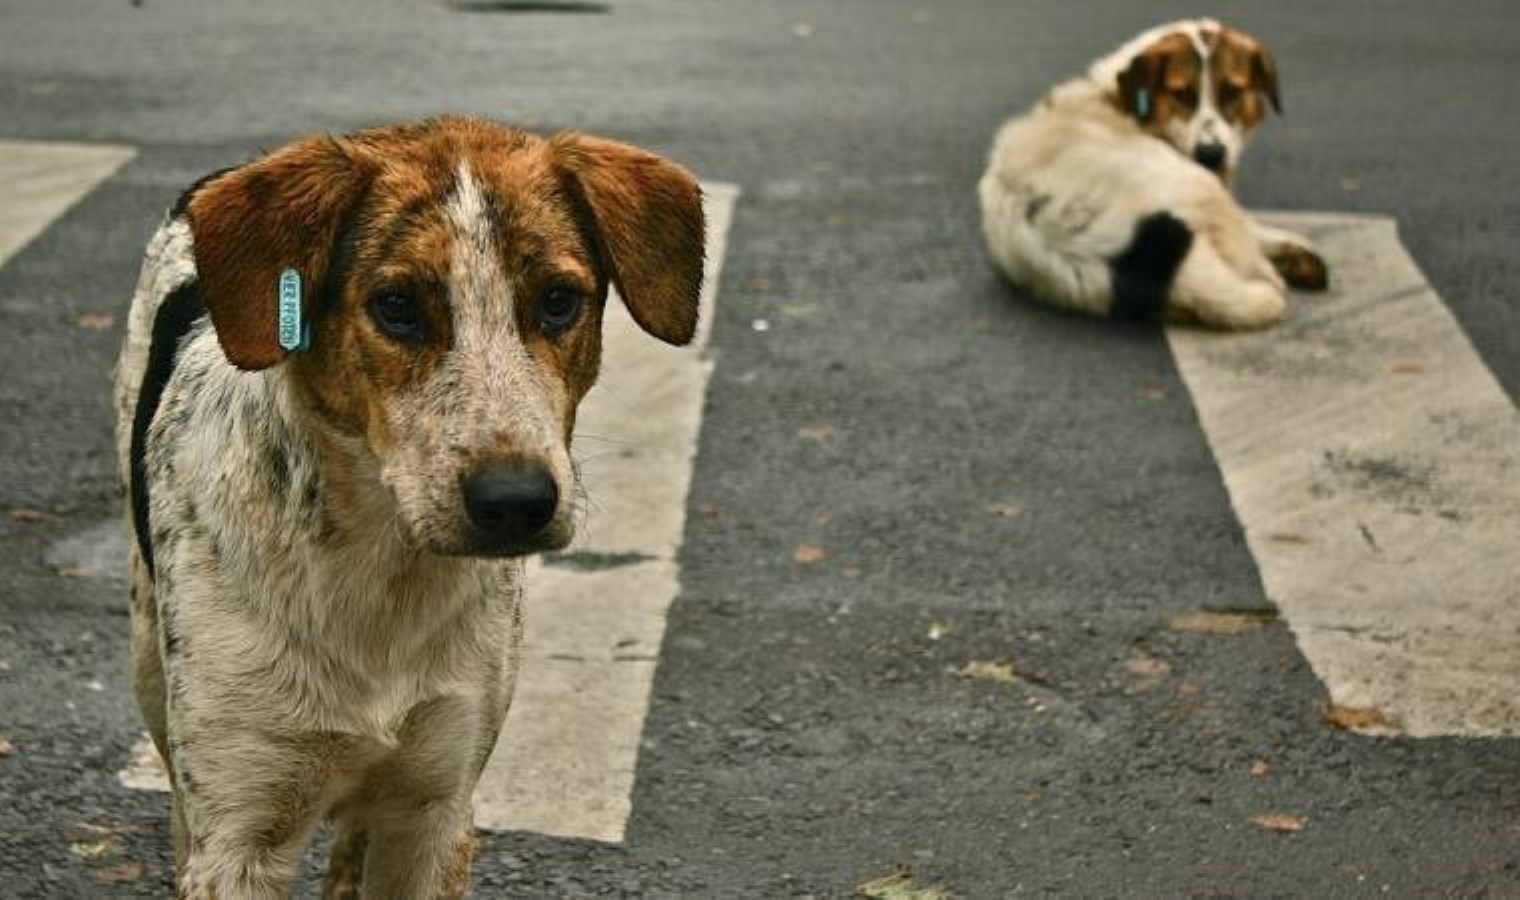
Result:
pixel 1374 462
pixel 566 759
pixel 41 180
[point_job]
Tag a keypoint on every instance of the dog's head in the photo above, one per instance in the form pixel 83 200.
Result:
pixel 454 274
pixel 1197 85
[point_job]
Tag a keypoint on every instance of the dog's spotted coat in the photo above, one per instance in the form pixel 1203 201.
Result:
pixel 327 544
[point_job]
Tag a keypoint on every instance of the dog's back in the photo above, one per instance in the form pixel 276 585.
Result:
pixel 1087 207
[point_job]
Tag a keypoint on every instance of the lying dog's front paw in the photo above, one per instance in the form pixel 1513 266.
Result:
pixel 1301 267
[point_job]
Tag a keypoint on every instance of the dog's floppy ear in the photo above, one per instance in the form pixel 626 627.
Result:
pixel 1238 49
pixel 1139 83
pixel 647 216
pixel 1264 76
pixel 251 224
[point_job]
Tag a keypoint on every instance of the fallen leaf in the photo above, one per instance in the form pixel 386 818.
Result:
pixel 131 871
pixel 801 311
pixel 1004 510
pixel 1279 822
pixel 1354 718
pixel 803 29
pixel 989 670
pixel 1148 672
pixel 1351 184
pixel 760 283
pixel 900 885
pixel 807 554
pixel 1260 768
pixel 1407 367
pixel 30 515
pixel 821 433
pixel 1226 623
pixel 95 321
pixel 1287 537
pixel 1151 392
pixel 94 849
pixel 6 748
pixel 937 631
pixel 851 572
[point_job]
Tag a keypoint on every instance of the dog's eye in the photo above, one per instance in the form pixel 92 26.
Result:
pixel 1188 97
pixel 558 309
pixel 399 317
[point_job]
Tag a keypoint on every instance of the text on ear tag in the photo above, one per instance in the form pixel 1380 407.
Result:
pixel 294 334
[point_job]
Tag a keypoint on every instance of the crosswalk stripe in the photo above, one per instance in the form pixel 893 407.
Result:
pixel 596 617
pixel 41 180
pixel 1374 462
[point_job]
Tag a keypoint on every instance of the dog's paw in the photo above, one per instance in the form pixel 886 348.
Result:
pixel 1301 267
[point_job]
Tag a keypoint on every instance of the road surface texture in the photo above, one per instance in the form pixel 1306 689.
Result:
pixel 961 587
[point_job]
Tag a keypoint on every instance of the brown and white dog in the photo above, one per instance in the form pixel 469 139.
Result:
pixel 1113 195
pixel 345 407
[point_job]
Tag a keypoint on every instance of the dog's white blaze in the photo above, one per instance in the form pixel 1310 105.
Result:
pixel 42 180
pixel 566 759
pixel 1375 465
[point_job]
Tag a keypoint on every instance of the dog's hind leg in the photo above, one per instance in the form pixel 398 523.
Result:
pixel 1208 289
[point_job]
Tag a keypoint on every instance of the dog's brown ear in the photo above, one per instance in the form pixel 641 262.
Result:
pixel 1143 84
pixel 1239 51
pixel 253 223
pixel 1264 76
pixel 647 214
pixel 1139 84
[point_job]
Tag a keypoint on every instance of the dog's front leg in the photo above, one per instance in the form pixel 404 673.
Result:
pixel 1293 256
pixel 250 800
pixel 416 818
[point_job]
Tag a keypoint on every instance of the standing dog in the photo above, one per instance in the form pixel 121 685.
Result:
pixel 1113 195
pixel 345 406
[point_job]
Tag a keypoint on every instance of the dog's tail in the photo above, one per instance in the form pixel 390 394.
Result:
pixel 1142 274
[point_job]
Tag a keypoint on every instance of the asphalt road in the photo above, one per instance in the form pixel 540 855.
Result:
pixel 1028 486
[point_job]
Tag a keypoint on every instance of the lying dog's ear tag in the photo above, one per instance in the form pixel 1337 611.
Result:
pixel 294 335
pixel 1143 103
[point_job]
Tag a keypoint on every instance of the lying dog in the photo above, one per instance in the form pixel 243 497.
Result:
pixel 345 405
pixel 1113 195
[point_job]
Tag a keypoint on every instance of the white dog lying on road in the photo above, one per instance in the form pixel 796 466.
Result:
pixel 1113 195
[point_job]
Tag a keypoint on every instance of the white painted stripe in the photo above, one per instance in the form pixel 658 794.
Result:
pixel 565 763
pixel 41 180
pixel 1375 464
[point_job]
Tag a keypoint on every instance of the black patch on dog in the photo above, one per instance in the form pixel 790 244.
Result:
pixel 1142 275
pixel 175 316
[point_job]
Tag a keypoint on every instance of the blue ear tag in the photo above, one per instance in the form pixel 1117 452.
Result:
pixel 294 335
pixel 1143 103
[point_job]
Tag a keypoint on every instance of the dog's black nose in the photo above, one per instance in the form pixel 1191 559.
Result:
pixel 1210 156
pixel 509 502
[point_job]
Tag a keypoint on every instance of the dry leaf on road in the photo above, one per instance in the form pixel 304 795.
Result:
pixel 1279 822
pixel 989 670
pixel 6 748
pixel 1223 623
pixel 807 554
pixel 1355 718
pixel 132 871
pixel 900 885
pixel 95 321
